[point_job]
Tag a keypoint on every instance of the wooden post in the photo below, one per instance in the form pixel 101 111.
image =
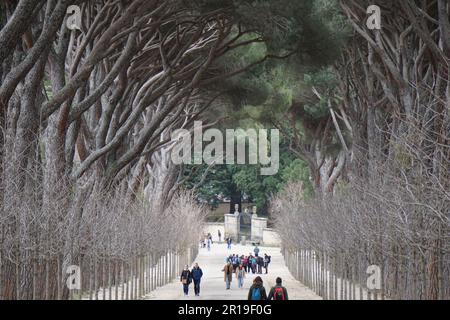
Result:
pixel 128 280
pixel 143 279
pixel 103 280
pixel 116 280
pixel 96 284
pixel 152 272
pixel 161 271
pixel 316 272
pixel 34 280
pixel 307 265
pixel 361 295
pixel 155 272
pixel 109 280
pixel 122 273
pixel 354 282
pixel 91 279
pixel 164 264
pixel 325 275
pixel 146 264
pixel 136 277
pixel 335 274
pixel 80 291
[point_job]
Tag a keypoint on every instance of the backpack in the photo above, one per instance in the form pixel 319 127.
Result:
pixel 256 293
pixel 278 293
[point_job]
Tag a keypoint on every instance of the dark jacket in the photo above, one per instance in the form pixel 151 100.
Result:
pixel 186 274
pixel 197 273
pixel 261 287
pixel 260 261
pixel 272 291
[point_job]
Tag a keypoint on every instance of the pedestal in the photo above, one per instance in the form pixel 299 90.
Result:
pixel 232 226
pixel 258 226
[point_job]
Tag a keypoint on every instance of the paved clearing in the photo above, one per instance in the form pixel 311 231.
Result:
pixel 213 285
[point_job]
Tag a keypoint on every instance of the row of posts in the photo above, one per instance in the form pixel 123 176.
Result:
pixel 329 277
pixel 106 279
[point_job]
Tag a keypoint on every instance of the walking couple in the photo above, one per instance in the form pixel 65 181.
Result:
pixel 239 272
pixel 187 276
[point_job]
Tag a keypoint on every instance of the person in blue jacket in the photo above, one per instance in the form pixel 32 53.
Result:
pixel 197 275
pixel 229 241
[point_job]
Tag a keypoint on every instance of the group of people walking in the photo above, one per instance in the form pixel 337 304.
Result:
pixel 206 242
pixel 240 266
pixel 253 263
pixel 257 290
pixel 237 266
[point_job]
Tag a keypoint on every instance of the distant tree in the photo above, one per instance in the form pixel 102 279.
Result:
pixel 244 182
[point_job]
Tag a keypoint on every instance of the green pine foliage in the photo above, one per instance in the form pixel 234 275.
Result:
pixel 266 95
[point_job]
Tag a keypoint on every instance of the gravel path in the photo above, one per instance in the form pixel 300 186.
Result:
pixel 213 285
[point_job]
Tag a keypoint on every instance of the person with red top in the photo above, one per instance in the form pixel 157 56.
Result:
pixel 278 292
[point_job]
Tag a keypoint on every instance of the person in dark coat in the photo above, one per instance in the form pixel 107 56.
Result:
pixel 267 260
pixel 186 279
pixel 229 241
pixel 257 290
pixel 260 263
pixel 197 275
pixel 278 292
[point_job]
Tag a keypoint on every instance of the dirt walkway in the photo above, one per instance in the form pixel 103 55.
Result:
pixel 213 285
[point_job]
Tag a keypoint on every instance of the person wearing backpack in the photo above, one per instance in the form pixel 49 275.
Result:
pixel 257 290
pixel 278 292
pixel 228 274
pixel 236 262
pixel 186 279
pixel 240 275
pixel 233 262
pixel 253 264
pixel 197 275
